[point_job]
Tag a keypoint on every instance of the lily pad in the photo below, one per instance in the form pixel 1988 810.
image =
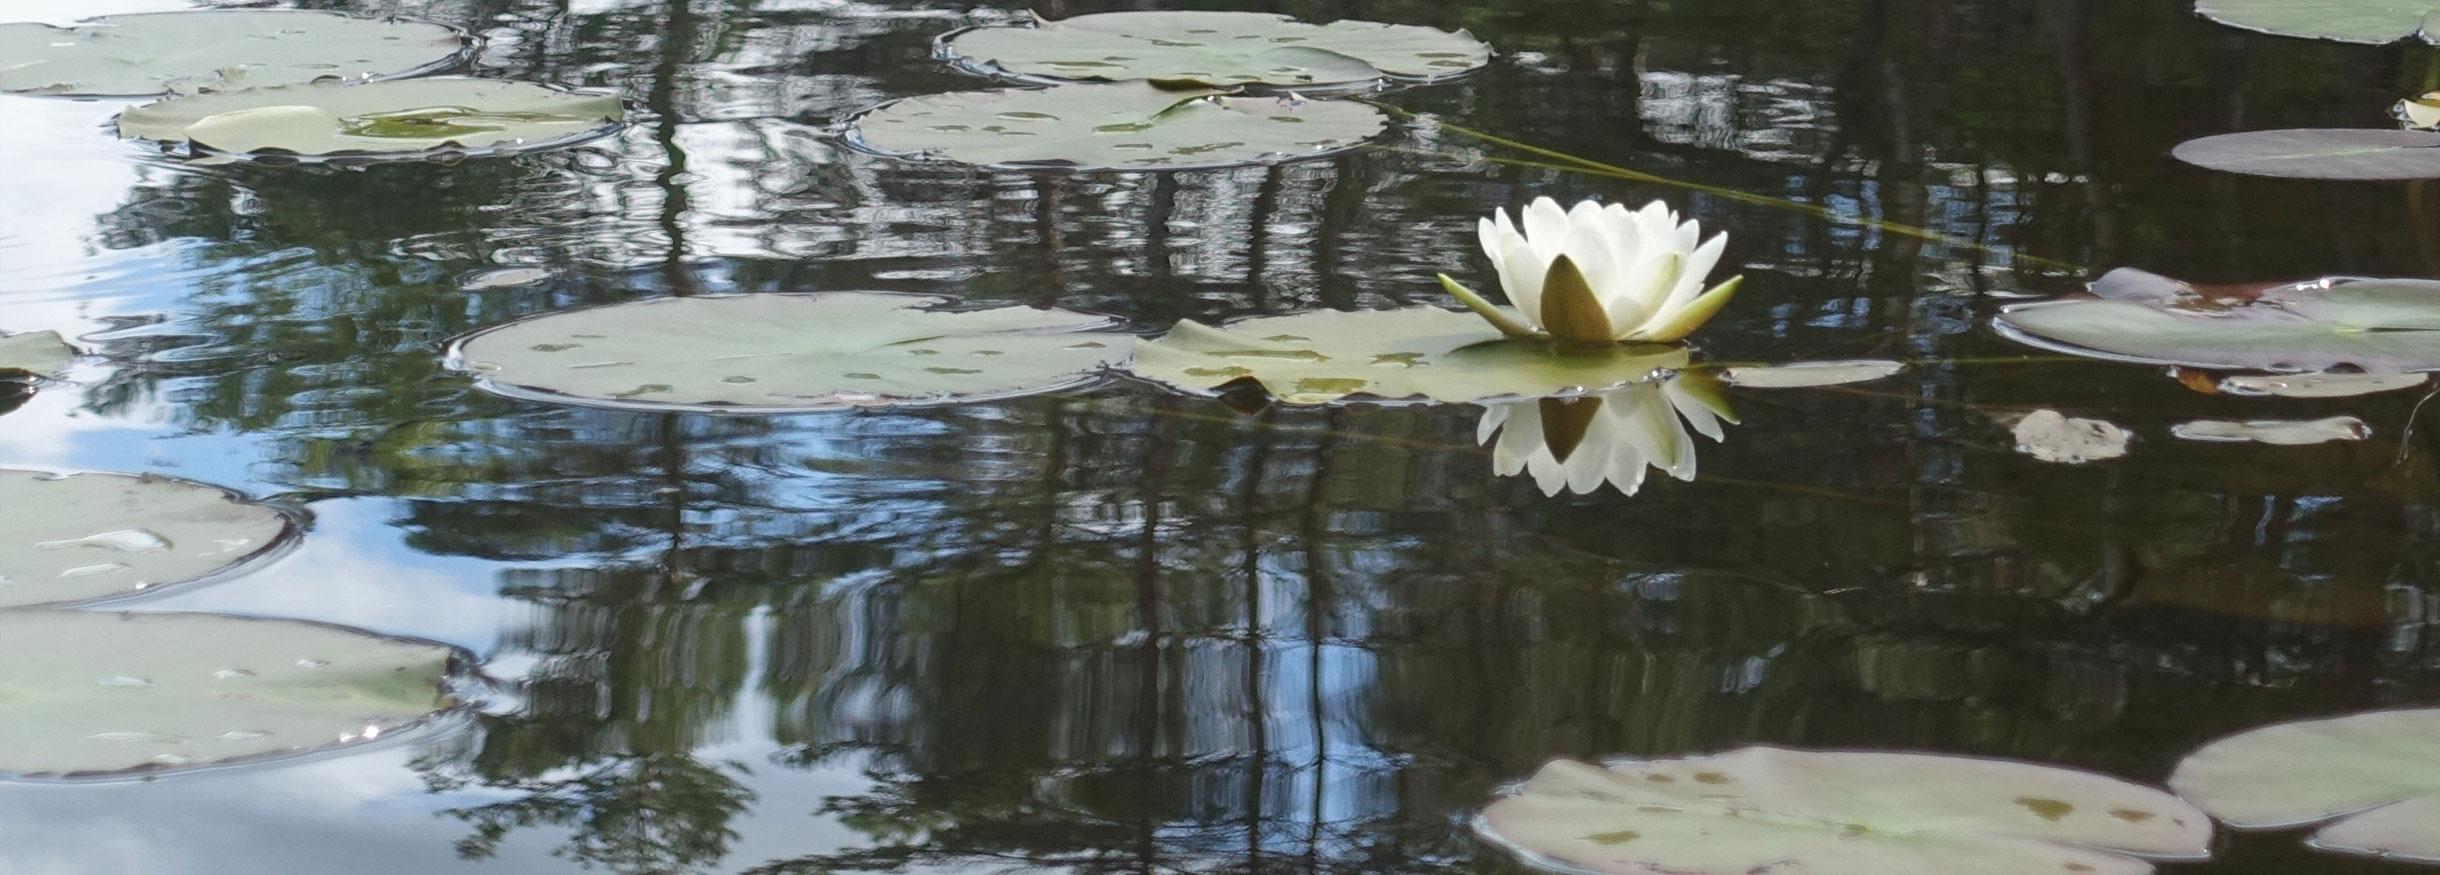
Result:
pixel 1378 356
pixel 86 695
pixel 218 50
pixel 2374 778
pixel 34 353
pixel 781 353
pixel 1808 374
pixel 2319 153
pixel 2051 436
pixel 1579 444
pixel 1216 48
pixel 2320 384
pixel 2347 21
pixel 407 117
pixel 99 536
pixel 2277 432
pixel 1840 813
pixel 2376 325
pixel 1117 126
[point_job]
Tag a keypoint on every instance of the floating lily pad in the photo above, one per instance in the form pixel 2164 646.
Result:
pixel 2277 432
pixel 97 695
pixel 1578 444
pixel 1216 48
pixel 35 354
pixel 407 117
pixel 779 353
pixel 104 535
pixel 2347 21
pixel 218 50
pixel 2376 775
pixel 2376 325
pixel 1118 126
pixel 1767 810
pixel 2319 153
pixel 2052 436
pixel 2320 384
pixel 1807 374
pixel 1411 354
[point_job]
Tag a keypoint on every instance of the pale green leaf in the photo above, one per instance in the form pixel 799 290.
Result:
pixel 218 49
pixel 1217 48
pixel 106 535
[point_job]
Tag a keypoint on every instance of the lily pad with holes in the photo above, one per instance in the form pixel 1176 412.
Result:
pixel 1217 48
pixel 2051 436
pixel 34 354
pixel 218 50
pixel 1842 813
pixel 101 535
pixel 86 695
pixel 1808 374
pixel 778 353
pixel 2374 779
pixel 1118 126
pixel 2276 432
pixel 2319 153
pixel 2341 323
pixel 1378 356
pixel 406 117
pixel 2348 21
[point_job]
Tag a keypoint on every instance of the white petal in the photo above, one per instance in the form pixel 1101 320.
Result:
pixel 1494 415
pixel 1488 232
pixel 1691 282
pixel 1702 418
pixel 1521 273
pixel 1640 295
pixel 1546 227
pixel 1590 250
pixel 1687 234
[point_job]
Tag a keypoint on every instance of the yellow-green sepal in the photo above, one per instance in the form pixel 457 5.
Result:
pixel 1570 310
pixel 1490 312
pixel 1697 312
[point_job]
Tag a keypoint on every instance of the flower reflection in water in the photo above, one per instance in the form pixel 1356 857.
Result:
pixel 1578 444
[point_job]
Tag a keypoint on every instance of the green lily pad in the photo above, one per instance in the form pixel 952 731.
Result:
pixel 2373 778
pixel 2319 153
pixel 2320 384
pixel 2051 436
pixel 2347 21
pixel 1382 356
pixel 1765 809
pixel 218 50
pixel 34 353
pixel 401 118
pixel 2276 432
pixel 2377 325
pixel 107 535
pixel 1802 375
pixel 781 353
pixel 1579 444
pixel 1216 48
pixel 87 695
pixel 1116 126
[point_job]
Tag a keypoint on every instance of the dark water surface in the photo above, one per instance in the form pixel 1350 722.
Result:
pixel 1124 630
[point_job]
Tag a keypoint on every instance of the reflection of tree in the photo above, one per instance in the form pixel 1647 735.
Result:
pixel 647 813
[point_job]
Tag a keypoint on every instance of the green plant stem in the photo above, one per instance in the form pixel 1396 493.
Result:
pixel 1566 163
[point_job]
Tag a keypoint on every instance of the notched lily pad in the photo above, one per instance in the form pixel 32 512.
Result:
pixel 1808 374
pixel 1384 356
pixel 34 354
pixel 97 535
pixel 2277 432
pixel 2319 153
pixel 98 695
pixel 1840 813
pixel 781 353
pixel 2348 21
pixel 1216 48
pixel 2051 436
pixel 2340 323
pixel 218 50
pixel 446 114
pixel 2373 778
pixel 1117 126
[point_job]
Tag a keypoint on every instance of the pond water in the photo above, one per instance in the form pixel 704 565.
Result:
pixel 1124 629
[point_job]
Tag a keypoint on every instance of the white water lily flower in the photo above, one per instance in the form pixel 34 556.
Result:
pixel 1578 444
pixel 1596 274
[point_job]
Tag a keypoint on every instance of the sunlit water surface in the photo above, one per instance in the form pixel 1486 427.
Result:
pixel 1119 629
